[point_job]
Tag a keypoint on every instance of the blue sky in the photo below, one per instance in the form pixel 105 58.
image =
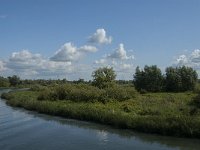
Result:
pixel 71 38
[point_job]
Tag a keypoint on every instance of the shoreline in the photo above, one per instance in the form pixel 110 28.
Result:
pixel 178 126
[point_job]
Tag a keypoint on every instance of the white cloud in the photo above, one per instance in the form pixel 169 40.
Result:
pixel 191 60
pixel 66 62
pixel 195 56
pixel 24 55
pixel 28 65
pixel 100 37
pixel 181 60
pixel 125 66
pixel 67 52
pixel 2 66
pixel 120 60
pixel 101 61
pixel 88 48
pixel 120 53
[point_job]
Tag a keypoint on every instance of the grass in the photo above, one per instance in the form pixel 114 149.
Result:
pixel 162 113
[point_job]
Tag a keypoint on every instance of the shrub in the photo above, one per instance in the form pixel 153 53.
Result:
pixel 46 95
pixel 120 93
pixel 87 93
pixel 37 87
pixel 196 101
pixel 7 96
pixel 103 77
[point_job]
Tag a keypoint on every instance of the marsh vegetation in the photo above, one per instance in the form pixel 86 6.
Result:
pixel 152 108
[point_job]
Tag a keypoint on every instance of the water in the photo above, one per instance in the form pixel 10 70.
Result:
pixel 26 130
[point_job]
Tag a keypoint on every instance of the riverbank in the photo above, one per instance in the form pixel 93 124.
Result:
pixel 161 113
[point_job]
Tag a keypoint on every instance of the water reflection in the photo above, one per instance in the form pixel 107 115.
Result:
pixel 102 132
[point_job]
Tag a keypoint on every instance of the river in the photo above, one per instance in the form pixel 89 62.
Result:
pixel 27 130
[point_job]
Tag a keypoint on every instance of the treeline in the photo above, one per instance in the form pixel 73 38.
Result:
pixel 103 88
pixel 10 81
pixel 148 79
pixel 15 81
pixel 175 79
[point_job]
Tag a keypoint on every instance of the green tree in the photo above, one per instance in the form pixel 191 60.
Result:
pixel 103 77
pixel 189 78
pixel 149 79
pixel 173 81
pixel 180 79
pixel 4 82
pixel 14 80
pixel 139 79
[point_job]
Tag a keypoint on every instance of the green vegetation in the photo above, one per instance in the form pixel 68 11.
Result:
pixel 149 79
pixel 162 113
pixel 104 77
pixel 4 82
pixel 179 79
pixel 117 103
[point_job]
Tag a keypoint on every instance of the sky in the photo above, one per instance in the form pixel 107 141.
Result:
pixel 52 39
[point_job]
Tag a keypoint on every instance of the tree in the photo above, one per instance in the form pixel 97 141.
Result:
pixel 14 80
pixel 103 77
pixel 139 81
pixel 172 80
pixel 180 79
pixel 4 82
pixel 189 78
pixel 149 79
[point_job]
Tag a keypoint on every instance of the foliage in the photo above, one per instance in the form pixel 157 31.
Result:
pixel 162 113
pixel 103 77
pixel 87 93
pixel 119 93
pixel 149 79
pixel 180 79
pixel 14 80
pixel 38 87
pixel 4 82
pixel 177 79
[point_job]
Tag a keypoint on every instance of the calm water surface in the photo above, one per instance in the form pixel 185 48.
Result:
pixel 25 130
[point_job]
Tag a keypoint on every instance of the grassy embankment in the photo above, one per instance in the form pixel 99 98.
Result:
pixel 175 114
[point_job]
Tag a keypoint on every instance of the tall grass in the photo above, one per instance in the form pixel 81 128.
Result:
pixel 136 113
pixel 87 93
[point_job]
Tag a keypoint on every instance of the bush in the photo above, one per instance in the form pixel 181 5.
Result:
pixel 196 101
pixel 197 88
pixel 6 96
pixel 37 87
pixel 46 95
pixel 120 93
pixel 87 93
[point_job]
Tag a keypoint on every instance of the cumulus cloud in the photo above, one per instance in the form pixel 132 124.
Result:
pixel 27 64
pixel 24 55
pixel 66 62
pixel 120 60
pixel 68 52
pixel 195 56
pixel 101 61
pixel 182 60
pixel 125 66
pixel 120 53
pixel 100 37
pixel 2 67
pixel 88 48
pixel 192 60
